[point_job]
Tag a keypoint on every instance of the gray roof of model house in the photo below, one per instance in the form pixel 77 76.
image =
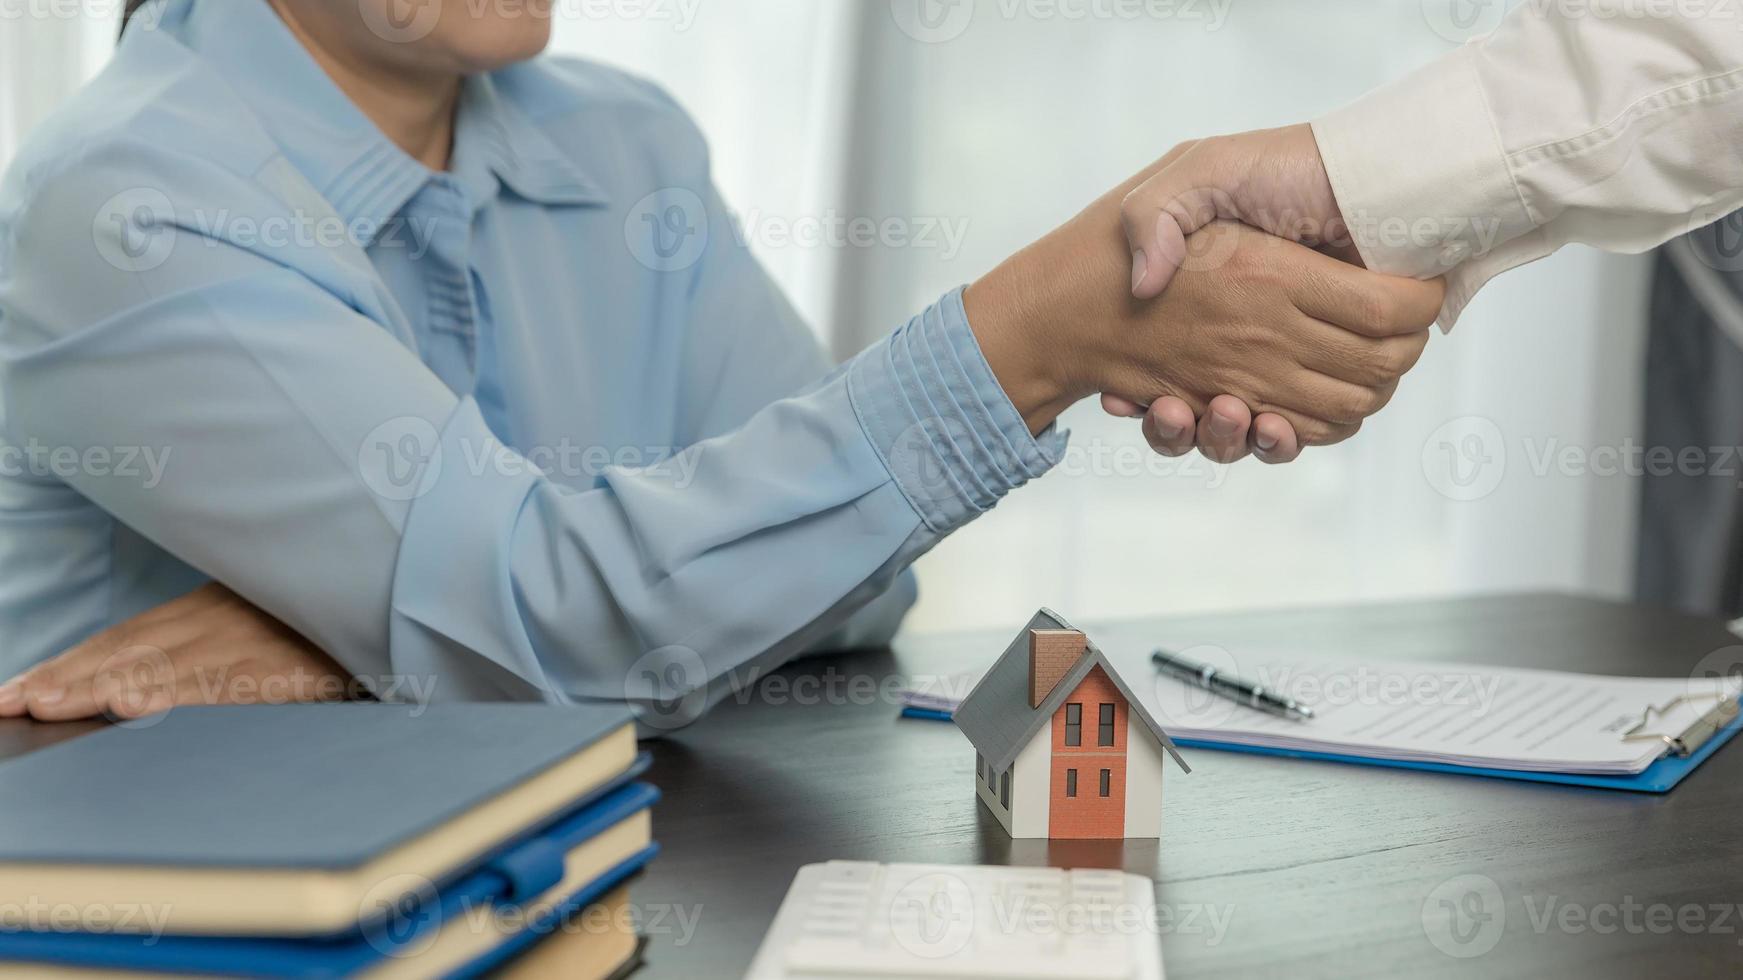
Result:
pixel 996 715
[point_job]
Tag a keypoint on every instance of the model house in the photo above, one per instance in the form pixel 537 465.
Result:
pixel 1063 749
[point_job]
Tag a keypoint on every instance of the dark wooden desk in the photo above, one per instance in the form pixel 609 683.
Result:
pixel 1316 869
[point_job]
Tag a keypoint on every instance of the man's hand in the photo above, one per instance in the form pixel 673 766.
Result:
pixel 1274 324
pixel 1271 179
pixel 210 646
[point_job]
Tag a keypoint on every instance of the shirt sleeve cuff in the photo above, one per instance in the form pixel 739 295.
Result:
pixel 943 425
pixel 1420 173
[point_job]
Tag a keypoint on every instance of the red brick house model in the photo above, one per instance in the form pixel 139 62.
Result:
pixel 1062 747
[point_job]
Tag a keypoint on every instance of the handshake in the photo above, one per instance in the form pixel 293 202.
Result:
pixel 1247 324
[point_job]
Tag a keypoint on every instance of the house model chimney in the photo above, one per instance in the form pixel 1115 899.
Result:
pixel 1052 653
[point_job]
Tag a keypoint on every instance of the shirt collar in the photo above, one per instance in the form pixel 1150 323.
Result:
pixel 497 134
pixel 360 172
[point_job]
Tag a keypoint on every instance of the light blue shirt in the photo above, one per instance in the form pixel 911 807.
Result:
pixel 538 427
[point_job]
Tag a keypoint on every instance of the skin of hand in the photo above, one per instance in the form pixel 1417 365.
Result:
pixel 1273 180
pixel 210 646
pixel 1276 325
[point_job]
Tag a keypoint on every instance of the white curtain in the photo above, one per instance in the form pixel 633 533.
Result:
pixel 48 48
pixel 963 129
pixel 1006 116
pixel 773 86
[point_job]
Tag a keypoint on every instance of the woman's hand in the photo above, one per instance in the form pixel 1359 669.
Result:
pixel 210 646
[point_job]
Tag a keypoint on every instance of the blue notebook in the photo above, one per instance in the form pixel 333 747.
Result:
pixel 184 819
pixel 532 882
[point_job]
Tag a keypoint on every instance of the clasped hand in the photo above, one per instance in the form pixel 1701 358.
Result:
pixel 1274 181
pixel 1195 290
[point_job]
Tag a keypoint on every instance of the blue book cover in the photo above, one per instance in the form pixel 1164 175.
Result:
pixel 534 879
pixel 190 810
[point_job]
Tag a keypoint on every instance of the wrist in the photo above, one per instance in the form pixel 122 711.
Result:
pixel 1007 312
pixel 1050 319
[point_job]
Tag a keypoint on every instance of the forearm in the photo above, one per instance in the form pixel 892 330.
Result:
pixel 779 532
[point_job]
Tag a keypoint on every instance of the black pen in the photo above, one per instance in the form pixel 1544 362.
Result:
pixel 1244 692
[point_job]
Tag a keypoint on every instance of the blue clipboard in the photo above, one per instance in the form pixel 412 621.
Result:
pixel 1660 777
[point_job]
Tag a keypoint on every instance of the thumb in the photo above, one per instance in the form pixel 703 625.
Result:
pixel 1273 180
pixel 1165 210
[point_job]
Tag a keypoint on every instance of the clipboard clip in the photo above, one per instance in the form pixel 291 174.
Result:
pixel 1692 738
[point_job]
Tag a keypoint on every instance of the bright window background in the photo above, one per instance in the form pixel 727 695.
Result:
pixel 1007 119
pixel 1017 122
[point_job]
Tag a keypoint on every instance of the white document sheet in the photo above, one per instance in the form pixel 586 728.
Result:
pixel 1460 714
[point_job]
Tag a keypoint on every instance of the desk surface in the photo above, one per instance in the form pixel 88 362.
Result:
pixel 1267 866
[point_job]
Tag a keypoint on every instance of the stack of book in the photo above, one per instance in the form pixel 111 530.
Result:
pixel 356 840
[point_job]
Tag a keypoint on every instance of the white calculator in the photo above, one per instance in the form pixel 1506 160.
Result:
pixel 859 919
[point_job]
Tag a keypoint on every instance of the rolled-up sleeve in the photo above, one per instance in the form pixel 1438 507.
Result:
pixel 319 469
pixel 1607 124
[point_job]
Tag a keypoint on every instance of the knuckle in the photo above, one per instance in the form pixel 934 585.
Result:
pixel 1325 433
pixel 1368 401
pixel 1370 364
pixel 121 636
pixel 1135 205
pixel 1398 360
pixel 1351 403
pixel 1415 346
pixel 1383 397
pixel 1374 310
pixel 1314 432
pixel 1340 433
pixel 41 679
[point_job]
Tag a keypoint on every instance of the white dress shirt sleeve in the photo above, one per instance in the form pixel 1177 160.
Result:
pixel 1616 123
